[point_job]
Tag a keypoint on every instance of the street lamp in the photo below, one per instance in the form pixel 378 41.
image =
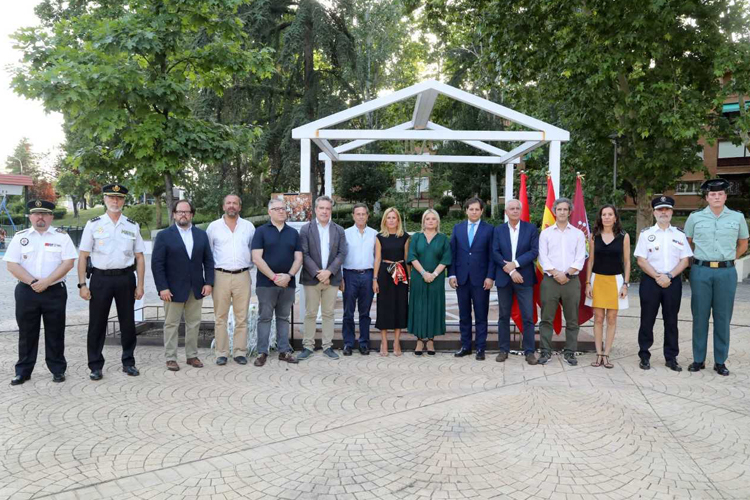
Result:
pixel 614 138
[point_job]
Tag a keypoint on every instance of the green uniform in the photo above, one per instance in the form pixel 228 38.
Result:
pixel 427 300
pixel 713 288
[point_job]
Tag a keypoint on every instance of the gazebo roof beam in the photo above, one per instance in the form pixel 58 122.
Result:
pixel 436 135
pixel 426 158
pixel 327 148
pixel 521 150
pixel 483 146
pixel 362 142
pixel 423 108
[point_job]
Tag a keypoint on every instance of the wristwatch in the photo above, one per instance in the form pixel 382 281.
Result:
pixel 669 275
pixel 81 285
pixel 627 284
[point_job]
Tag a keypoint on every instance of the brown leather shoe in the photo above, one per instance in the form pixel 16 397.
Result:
pixel 172 366
pixel 260 360
pixel 288 357
pixel 531 359
pixel 194 362
pixel 501 357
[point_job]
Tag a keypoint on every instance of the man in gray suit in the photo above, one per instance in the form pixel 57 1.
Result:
pixel 323 252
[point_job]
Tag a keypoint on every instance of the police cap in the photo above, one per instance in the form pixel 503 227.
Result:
pixel 115 190
pixel 715 185
pixel 40 207
pixel 662 202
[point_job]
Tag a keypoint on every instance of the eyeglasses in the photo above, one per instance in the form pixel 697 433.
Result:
pixel 182 212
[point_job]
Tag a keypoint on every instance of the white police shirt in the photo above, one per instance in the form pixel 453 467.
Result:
pixel 40 253
pixel 111 245
pixel 663 249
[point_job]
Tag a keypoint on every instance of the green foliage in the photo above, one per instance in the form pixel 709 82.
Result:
pixel 59 212
pixel 142 214
pixel 447 201
pixel 364 182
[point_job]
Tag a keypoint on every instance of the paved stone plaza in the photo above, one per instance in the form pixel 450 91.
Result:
pixel 380 428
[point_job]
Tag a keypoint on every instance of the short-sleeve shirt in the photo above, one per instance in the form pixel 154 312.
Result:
pixel 662 248
pixel 112 246
pixel 715 237
pixel 278 250
pixel 361 248
pixel 40 253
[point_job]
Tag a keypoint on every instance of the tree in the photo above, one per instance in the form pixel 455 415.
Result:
pixel 123 76
pixel 23 155
pixel 364 182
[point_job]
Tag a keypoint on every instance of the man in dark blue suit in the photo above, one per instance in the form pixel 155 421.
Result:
pixel 514 250
pixel 183 267
pixel 471 274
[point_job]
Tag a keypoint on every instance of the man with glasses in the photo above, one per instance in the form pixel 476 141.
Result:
pixel 116 248
pixel 562 253
pixel 39 258
pixel 277 253
pixel 231 239
pixel 183 269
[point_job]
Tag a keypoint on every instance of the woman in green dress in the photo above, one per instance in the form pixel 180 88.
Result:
pixel 429 255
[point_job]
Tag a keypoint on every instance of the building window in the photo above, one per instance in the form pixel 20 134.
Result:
pixel 413 185
pixel 688 187
pixel 729 150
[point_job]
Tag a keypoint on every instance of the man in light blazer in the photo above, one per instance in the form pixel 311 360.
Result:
pixel 323 253
pixel 514 250
pixel 183 267
pixel 471 274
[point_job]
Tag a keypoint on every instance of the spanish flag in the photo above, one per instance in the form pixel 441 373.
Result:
pixel 547 220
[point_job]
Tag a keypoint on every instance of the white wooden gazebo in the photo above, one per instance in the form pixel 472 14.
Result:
pixel 420 128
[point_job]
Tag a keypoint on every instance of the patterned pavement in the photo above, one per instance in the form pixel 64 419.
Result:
pixel 379 428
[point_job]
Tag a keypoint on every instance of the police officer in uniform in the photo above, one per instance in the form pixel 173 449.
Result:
pixel 40 257
pixel 662 252
pixel 719 236
pixel 116 248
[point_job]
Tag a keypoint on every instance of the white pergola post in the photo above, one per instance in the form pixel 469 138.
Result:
pixel 508 183
pixel 304 166
pixel 329 178
pixel 554 165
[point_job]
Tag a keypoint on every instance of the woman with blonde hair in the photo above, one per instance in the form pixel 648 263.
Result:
pixel 390 279
pixel 429 255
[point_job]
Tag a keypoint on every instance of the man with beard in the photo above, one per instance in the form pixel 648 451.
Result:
pixel 116 248
pixel 183 269
pixel 231 238
pixel 663 253
pixel 40 258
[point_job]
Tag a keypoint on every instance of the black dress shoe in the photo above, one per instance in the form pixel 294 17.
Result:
pixel 19 379
pixel 696 367
pixel 221 360
pixel 58 377
pixel 95 375
pixel 347 350
pixel 672 365
pixel 644 364
pixel 132 371
pixel 721 369
pixel 240 360
pixel 480 355
pixel 364 350
pixel 462 352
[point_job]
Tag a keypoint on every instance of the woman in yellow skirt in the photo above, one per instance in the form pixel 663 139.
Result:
pixel 607 278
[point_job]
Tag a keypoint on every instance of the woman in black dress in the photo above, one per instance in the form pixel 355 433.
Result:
pixel 390 280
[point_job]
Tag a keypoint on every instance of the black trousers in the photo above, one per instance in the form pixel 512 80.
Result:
pixel 652 297
pixel 103 290
pixel 31 308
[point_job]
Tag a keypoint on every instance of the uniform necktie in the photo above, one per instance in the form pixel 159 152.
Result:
pixel 471 233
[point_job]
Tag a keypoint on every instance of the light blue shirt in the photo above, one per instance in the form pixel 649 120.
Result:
pixel 715 237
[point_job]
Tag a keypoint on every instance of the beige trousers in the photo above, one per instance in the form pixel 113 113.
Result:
pixel 173 311
pixel 234 290
pixel 324 297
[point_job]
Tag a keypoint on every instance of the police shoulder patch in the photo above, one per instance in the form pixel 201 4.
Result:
pixel 61 230
pixel 22 232
pixel 95 219
pixel 131 221
pixel 679 229
pixel 645 229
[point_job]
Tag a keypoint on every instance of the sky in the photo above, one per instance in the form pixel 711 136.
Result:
pixel 21 117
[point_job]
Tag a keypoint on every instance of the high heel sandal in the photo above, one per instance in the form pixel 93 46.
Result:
pixel 599 360
pixel 397 352
pixel 605 361
pixel 384 353
pixel 431 352
pixel 420 344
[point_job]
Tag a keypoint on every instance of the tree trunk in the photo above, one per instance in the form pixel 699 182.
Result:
pixel 493 194
pixel 75 206
pixel 643 216
pixel 157 204
pixel 169 193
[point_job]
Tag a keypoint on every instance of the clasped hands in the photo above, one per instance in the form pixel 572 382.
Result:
pixel 509 267
pixel 166 295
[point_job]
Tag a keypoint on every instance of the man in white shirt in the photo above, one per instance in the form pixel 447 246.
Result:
pixel 39 258
pixel 562 253
pixel 231 238
pixel 357 281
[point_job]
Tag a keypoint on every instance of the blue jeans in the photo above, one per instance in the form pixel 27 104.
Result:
pixel 357 294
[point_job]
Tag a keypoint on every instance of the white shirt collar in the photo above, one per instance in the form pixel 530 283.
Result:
pixel 184 230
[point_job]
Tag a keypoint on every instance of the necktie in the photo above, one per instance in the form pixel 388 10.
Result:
pixel 471 233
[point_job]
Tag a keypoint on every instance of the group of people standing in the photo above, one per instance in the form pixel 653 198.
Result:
pixel 406 272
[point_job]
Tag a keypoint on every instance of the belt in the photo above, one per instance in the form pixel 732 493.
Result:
pixel 113 272
pixel 232 272
pixel 714 264
pixel 358 271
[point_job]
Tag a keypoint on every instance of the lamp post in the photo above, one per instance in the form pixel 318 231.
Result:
pixel 25 188
pixel 20 163
pixel 614 138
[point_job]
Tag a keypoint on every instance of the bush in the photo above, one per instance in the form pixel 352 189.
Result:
pixel 415 215
pixel 59 213
pixel 447 201
pixel 142 214
pixel 441 210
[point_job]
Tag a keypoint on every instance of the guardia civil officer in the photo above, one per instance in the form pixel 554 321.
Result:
pixel 719 236
pixel 116 248
pixel 39 258
pixel 662 253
